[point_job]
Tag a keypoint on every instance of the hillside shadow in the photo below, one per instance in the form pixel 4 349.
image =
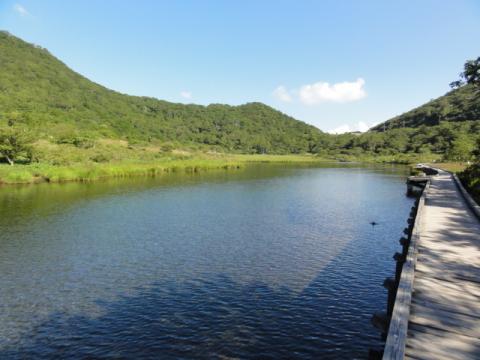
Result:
pixel 213 319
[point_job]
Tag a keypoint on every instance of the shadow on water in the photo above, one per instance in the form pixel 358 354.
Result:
pixel 216 318
pixel 216 314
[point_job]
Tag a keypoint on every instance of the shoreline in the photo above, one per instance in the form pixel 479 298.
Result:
pixel 33 174
pixel 39 173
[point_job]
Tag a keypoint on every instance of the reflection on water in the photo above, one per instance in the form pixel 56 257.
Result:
pixel 265 262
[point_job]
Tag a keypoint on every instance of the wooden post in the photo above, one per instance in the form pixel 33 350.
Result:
pixel 405 242
pixel 391 285
pixel 381 321
pixel 400 259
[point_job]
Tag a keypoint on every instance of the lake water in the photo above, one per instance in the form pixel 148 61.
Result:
pixel 266 262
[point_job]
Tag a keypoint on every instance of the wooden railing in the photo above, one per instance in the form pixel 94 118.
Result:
pixel 397 331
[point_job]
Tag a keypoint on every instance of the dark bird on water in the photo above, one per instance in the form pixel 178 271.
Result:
pixel 373 223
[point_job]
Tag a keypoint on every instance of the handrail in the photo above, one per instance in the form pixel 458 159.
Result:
pixel 397 331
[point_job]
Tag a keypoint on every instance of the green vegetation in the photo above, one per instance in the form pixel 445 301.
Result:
pixel 454 167
pixel 470 177
pixel 14 145
pixel 448 141
pixel 89 171
pixel 63 107
pixel 470 74
pixel 446 128
pixel 56 125
pixel 458 105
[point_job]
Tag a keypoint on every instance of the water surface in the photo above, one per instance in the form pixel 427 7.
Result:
pixel 267 262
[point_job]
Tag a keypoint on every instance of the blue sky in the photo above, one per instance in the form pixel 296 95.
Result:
pixel 330 63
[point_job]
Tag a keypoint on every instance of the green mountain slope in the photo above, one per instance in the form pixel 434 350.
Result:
pixel 56 104
pixel 461 104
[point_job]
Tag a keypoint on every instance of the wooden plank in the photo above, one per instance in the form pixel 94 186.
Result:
pixel 397 333
pixel 444 307
pixel 422 270
pixel 448 321
pixel 463 272
pixel 464 307
pixel 426 346
pixel 441 333
pixel 447 290
pixel 457 299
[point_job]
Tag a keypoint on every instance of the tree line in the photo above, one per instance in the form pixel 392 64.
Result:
pixel 42 101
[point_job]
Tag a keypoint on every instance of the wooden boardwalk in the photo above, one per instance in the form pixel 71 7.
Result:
pixel 443 310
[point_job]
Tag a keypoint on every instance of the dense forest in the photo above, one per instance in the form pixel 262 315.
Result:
pixel 460 104
pixel 59 105
pixel 50 114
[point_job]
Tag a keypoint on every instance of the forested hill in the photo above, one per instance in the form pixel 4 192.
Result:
pixel 462 104
pixel 40 92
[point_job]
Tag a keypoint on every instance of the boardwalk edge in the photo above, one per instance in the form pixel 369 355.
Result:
pixel 397 331
pixel 468 198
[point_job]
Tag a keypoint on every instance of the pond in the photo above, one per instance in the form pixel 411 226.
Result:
pixel 265 262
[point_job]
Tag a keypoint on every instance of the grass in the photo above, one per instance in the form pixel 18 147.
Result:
pixel 454 167
pixel 471 180
pixel 89 171
pixel 406 159
pixel 117 159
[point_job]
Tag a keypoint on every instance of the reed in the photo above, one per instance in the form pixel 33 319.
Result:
pixel 91 171
pixel 27 174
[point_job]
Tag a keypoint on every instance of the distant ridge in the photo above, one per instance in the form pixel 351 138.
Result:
pixel 40 91
pixel 461 104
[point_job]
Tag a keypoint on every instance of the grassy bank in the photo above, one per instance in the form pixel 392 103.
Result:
pixel 154 163
pixel 90 171
pixel 454 167
pixel 401 158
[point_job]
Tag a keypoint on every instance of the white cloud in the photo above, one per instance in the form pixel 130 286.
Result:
pixel 318 92
pixel 360 126
pixel 341 129
pixel 186 94
pixel 20 10
pixel 281 93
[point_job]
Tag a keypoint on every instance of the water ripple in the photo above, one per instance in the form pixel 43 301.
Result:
pixel 272 264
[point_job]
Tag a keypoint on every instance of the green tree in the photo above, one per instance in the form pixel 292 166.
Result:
pixel 461 149
pixel 476 152
pixel 15 145
pixel 470 74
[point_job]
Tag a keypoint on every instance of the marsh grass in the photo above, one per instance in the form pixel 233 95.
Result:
pixel 455 167
pixel 187 162
pixel 90 171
